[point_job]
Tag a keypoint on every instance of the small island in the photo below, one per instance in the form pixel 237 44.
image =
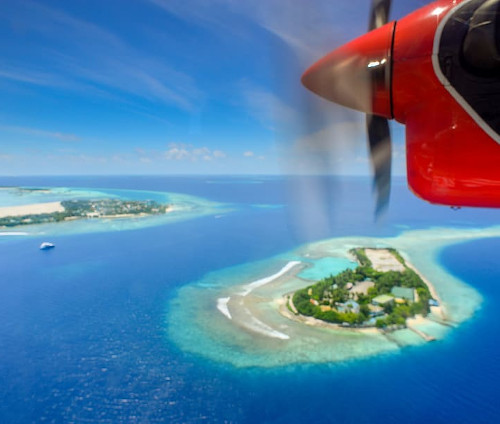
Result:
pixel 383 291
pixel 249 309
pixel 68 210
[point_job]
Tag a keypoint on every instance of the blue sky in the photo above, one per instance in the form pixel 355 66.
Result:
pixel 176 87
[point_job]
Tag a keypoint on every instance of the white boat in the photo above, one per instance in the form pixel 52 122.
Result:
pixel 46 245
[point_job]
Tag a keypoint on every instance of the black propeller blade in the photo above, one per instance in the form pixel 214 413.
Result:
pixel 379 15
pixel 379 135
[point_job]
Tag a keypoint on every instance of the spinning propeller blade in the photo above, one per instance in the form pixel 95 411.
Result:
pixel 358 76
pixel 379 134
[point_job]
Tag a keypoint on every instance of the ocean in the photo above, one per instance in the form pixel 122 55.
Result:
pixel 87 330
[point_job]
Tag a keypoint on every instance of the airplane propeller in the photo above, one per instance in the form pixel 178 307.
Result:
pixel 352 77
pixel 379 134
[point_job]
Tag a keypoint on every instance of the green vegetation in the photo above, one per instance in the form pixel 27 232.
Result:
pixel 361 257
pixel 338 299
pixel 107 207
pixel 78 209
pixel 396 254
pixel 289 307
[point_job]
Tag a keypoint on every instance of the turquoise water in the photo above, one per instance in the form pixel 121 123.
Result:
pixel 14 196
pixel 325 267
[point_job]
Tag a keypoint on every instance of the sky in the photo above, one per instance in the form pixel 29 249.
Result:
pixel 177 87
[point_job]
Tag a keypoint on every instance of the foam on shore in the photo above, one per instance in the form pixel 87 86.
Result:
pixel 255 325
pixel 222 306
pixel 13 233
pixel 266 280
pixel 245 316
pixel 258 335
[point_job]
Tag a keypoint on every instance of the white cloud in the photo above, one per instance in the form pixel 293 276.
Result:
pixel 89 58
pixel 31 77
pixel 219 154
pixel 118 158
pixel 202 151
pixel 310 29
pixel 86 159
pixel 40 133
pixel 182 151
pixel 249 154
pixel 176 153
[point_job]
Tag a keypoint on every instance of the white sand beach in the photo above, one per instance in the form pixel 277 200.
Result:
pixel 438 311
pixel 33 209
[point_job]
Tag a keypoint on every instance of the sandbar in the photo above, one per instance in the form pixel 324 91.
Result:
pixel 241 305
pixel 33 209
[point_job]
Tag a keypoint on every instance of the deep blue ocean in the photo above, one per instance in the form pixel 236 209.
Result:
pixel 83 332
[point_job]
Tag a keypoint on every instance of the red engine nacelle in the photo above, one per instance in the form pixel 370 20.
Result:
pixel 438 72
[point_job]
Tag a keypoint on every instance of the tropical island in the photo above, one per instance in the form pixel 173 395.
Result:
pixel 248 309
pixel 382 292
pixel 68 210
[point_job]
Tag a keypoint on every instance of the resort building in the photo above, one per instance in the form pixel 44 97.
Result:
pixel 376 311
pixel 403 294
pixel 349 306
pixel 361 287
pixel 382 300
